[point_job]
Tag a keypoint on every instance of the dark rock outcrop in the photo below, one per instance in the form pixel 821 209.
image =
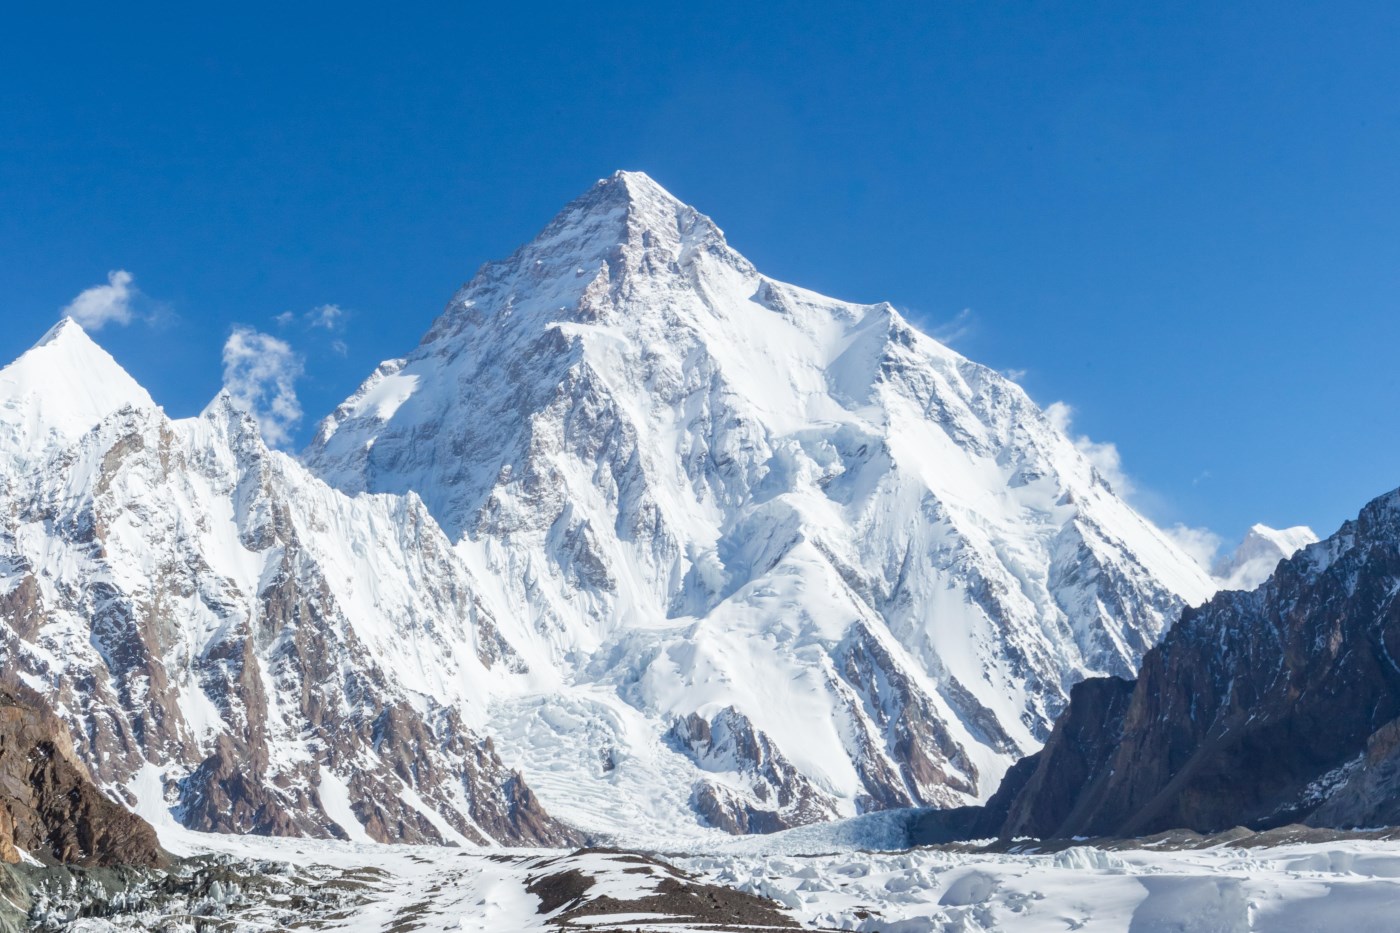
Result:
pixel 1258 709
pixel 48 805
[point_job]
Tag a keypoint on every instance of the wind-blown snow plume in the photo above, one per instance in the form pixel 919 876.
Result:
pixel 96 307
pixel 260 373
pixel 1103 455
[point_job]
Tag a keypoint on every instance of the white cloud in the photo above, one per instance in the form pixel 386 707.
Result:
pixel 1103 455
pixel 96 307
pixel 1014 374
pixel 1200 544
pixel 260 372
pixel 330 317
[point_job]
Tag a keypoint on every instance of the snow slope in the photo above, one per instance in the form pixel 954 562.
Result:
pixel 64 385
pixel 784 551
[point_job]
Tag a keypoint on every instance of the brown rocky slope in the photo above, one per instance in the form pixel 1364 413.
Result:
pixel 49 808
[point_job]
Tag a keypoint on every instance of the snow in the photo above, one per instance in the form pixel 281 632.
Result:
pixel 64 385
pixel 1297 888
pixel 1217 890
pixel 335 800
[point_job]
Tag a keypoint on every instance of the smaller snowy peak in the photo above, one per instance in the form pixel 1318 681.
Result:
pixel 1258 554
pixel 58 389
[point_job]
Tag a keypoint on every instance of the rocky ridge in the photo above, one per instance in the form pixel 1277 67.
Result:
pixel 230 639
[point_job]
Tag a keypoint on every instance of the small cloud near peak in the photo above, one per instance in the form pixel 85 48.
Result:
pixel 260 374
pixel 96 307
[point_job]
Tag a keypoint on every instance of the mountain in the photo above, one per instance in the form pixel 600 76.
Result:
pixel 1258 554
pixel 638 541
pixel 782 557
pixel 1259 709
pixel 226 636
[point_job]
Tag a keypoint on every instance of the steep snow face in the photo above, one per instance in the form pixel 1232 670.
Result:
pixel 784 550
pixel 229 636
pixel 61 387
pixel 1258 554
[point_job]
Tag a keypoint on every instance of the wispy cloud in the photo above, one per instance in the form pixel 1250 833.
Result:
pixel 950 332
pixel 327 317
pixel 1103 455
pixel 330 318
pixel 260 373
pixel 96 307
pixel 1200 544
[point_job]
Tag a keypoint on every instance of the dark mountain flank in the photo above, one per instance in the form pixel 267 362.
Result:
pixel 49 807
pixel 1257 709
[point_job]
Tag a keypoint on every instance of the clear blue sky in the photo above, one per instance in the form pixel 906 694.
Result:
pixel 1182 219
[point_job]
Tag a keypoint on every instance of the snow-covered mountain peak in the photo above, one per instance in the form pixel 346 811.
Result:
pixel 825 561
pixel 57 390
pixel 1258 554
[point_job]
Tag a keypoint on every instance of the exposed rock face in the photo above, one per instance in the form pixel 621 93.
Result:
pixel 49 807
pixel 773 794
pixel 1258 709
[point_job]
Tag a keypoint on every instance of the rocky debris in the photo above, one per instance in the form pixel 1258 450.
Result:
pixel 1258 709
pixel 49 807
pixel 606 889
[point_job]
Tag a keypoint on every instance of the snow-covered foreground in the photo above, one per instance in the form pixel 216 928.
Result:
pixel 1351 885
pixel 1290 889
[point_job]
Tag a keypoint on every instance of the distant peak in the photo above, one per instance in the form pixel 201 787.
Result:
pixel 219 405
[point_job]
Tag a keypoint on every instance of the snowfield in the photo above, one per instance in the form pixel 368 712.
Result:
pixel 1351 885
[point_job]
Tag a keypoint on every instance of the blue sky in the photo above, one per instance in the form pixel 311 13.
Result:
pixel 1183 222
